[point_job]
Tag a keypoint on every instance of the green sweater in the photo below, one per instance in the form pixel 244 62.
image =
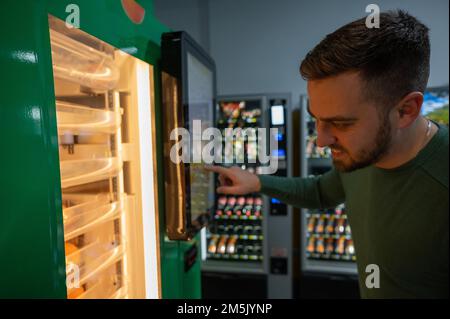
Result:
pixel 398 217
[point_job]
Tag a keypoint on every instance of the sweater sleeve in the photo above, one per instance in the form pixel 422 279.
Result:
pixel 323 191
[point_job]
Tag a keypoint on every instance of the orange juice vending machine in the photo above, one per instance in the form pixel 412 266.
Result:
pixel 80 186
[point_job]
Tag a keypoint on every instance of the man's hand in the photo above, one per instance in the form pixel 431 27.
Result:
pixel 235 180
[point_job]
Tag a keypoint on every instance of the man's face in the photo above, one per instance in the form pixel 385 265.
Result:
pixel 357 133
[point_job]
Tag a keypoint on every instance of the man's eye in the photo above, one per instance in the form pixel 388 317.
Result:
pixel 341 125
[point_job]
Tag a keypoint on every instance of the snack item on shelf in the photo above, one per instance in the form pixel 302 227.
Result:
pixel 75 292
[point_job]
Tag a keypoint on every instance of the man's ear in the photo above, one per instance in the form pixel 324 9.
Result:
pixel 408 109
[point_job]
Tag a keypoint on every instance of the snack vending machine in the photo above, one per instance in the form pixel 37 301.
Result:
pixel 327 248
pixel 247 246
pixel 82 200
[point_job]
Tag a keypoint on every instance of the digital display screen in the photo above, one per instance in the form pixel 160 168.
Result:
pixel 277 114
pixel 200 100
pixel 275 201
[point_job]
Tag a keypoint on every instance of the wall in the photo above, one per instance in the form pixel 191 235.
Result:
pixel 188 15
pixel 258 44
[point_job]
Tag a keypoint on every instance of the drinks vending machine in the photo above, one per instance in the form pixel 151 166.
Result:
pixel 247 246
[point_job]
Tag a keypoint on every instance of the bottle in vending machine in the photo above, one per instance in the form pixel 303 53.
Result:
pixel 231 201
pixel 340 246
pixel 239 206
pixel 348 230
pixel 229 229
pixel 238 229
pixel 340 225
pixel 258 201
pixel 320 245
pixel 311 245
pixel 248 229
pixel 329 249
pixel 219 213
pixel 241 200
pixel 221 202
pixel 231 246
pixel 257 230
pixel 221 229
pixel 212 247
pixel 320 226
pixel 330 224
pixel 221 247
pixel 311 224
pixel 349 247
pixel 257 212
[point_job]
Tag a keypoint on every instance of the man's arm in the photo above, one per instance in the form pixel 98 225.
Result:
pixel 324 191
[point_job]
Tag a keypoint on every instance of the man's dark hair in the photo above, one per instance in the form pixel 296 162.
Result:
pixel 392 60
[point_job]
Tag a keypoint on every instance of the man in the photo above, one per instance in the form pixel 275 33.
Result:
pixel 390 163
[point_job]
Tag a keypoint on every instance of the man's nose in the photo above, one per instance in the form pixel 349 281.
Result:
pixel 324 136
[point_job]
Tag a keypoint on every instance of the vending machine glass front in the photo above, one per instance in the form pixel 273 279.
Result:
pixel 103 104
pixel 188 80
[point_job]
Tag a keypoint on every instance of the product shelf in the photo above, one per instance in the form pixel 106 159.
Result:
pixel 84 222
pixel 82 64
pixel 77 119
pixel 91 264
pixel 78 172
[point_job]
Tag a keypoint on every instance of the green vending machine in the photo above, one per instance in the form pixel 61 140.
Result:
pixel 83 203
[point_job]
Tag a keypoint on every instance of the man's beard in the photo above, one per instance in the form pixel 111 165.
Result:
pixel 367 157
